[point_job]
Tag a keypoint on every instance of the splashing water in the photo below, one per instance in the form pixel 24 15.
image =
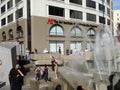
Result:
pixel 104 51
pixel 104 61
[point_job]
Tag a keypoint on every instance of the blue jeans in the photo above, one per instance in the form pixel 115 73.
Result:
pixel 37 76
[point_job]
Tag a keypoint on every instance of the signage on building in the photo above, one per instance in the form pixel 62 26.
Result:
pixel 50 21
pixel 55 21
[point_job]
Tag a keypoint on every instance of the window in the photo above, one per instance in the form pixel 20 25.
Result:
pixel 56 30
pixel 19 31
pixel 54 46
pixel 17 1
pixel 9 4
pixel 57 11
pixel 19 13
pixel 76 31
pixel 10 18
pixel 108 21
pixel 2 9
pixel 76 1
pixel 102 19
pixel 3 21
pixel 108 11
pixel 21 48
pixel 91 17
pixel 76 14
pixel 90 46
pixel 91 32
pixel 75 46
pixel 10 33
pixel 90 3
pixel 4 35
pixel 101 7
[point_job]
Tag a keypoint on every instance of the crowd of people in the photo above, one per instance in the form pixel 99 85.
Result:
pixel 17 73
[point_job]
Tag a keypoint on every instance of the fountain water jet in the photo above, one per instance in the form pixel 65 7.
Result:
pixel 104 51
pixel 104 56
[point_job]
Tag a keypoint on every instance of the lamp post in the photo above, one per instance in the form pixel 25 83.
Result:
pixel 18 28
pixel 18 40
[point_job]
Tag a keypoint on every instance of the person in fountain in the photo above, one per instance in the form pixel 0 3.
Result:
pixel 52 63
pixel 45 73
pixel 38 72
pixel 56 70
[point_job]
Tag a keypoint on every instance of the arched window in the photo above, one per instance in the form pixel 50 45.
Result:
pixel 91 32
pixel 76 32
pixel 10 33
pixel 19 31
pixel 4 35
pixel 56 30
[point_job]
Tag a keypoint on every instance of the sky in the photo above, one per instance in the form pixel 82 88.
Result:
pixel 116 4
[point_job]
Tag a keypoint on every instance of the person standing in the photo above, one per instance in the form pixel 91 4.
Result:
pixel 27 51
pixel 16 78
pixel 46 73
pixel 59 50
pixel 35 51
pixel 56 70
pixel 52 63
pixel 38 73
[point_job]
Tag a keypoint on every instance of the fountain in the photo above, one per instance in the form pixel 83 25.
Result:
pixel 77 72
pixel 104 73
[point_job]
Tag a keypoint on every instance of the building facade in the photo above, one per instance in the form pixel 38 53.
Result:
pixel 66 24
pixel 116 18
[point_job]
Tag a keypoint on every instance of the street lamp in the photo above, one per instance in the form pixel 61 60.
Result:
pixel 17 38
pixel 18 29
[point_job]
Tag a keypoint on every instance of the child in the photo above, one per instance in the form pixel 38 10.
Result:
pixel 38 73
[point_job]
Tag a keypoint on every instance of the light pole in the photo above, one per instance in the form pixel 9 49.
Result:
pixel 18 29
